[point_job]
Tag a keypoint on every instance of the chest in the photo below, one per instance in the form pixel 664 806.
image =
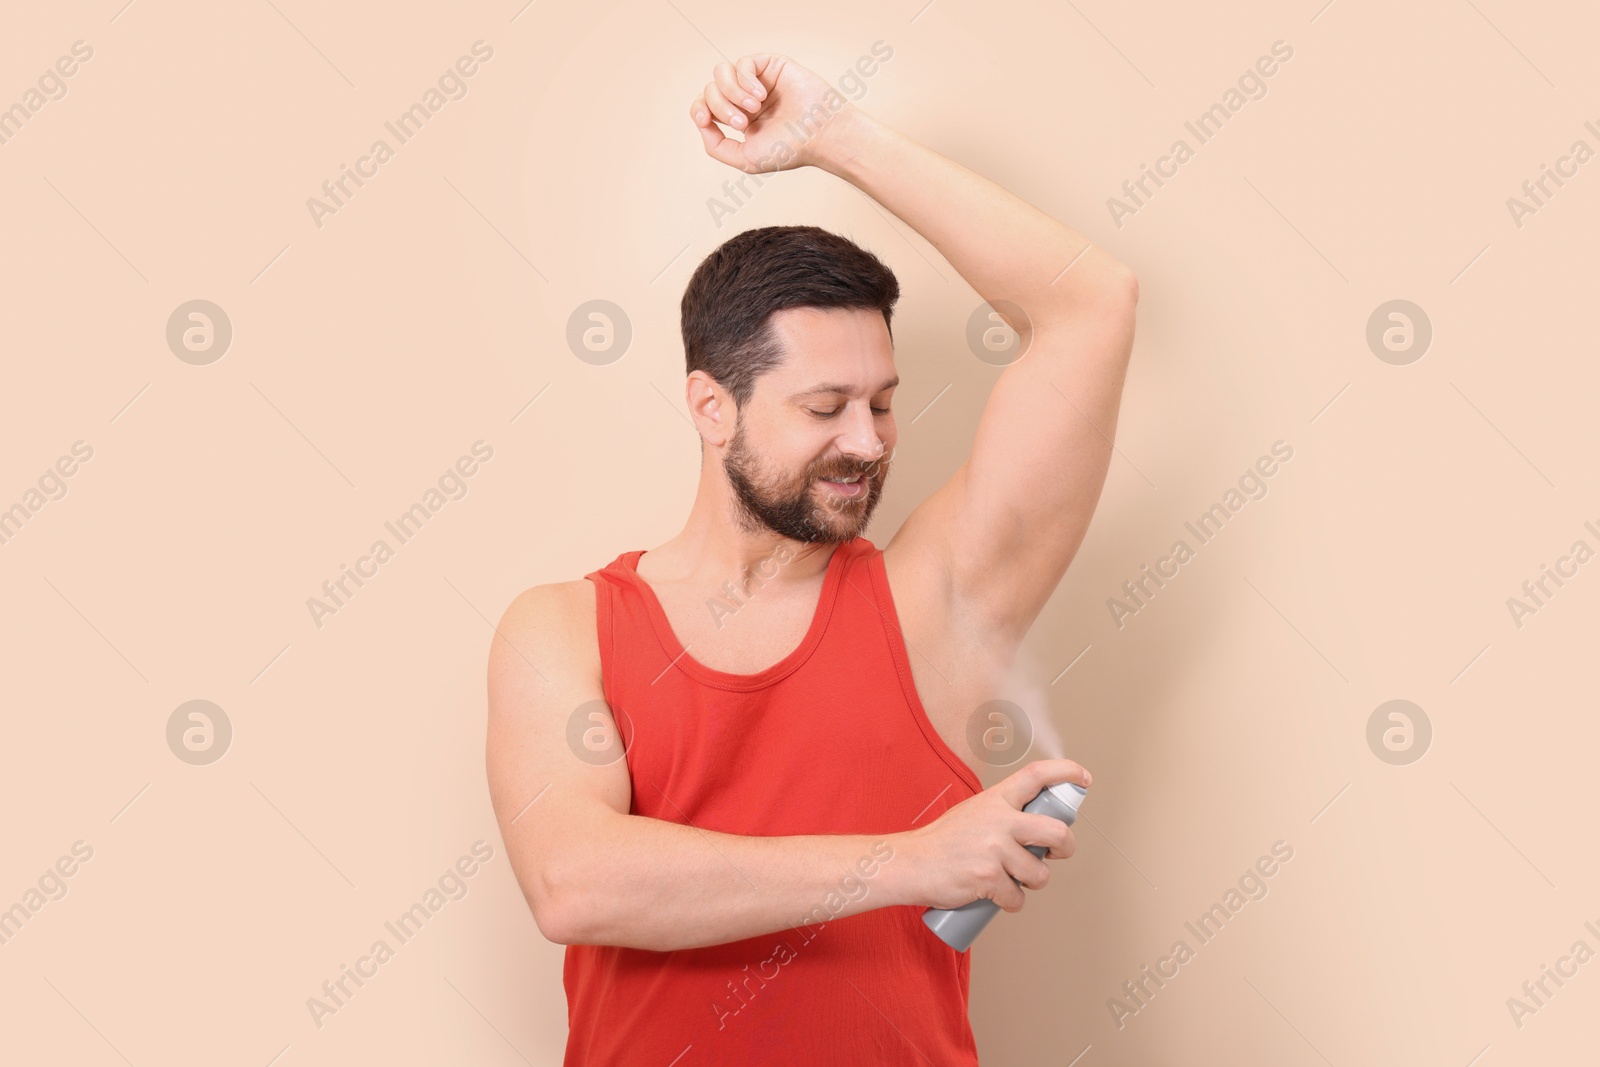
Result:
pixel 746 634
pixel 739 631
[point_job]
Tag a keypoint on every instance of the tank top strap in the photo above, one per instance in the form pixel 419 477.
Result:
pixel 609 584
pixel 867 589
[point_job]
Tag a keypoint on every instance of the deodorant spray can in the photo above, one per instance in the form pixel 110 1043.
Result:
pixel 959 927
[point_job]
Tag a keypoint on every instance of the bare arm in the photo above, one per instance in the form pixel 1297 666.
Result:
pixel 594 874
pixel 1002 531
pixel 1007 524
pixel 1005 248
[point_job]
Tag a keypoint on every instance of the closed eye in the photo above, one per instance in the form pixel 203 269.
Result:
pixel 835 411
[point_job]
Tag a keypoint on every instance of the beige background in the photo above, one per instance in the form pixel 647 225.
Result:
pixel 370 353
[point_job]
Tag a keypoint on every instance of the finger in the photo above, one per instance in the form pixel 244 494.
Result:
pixel 737 91
pixel 766 66
pixel 699 113
pixel 1066 848
pixel 722 110
pixel 718 145
pixel 1028 869
pixel 1025 784
pixel 1009 896
pixel 1055 835
pixel 750 78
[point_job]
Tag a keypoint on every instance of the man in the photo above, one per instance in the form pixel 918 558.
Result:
pixel 745 883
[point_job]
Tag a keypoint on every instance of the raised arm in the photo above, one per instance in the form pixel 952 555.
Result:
pixel 1008 523
pixel 594 874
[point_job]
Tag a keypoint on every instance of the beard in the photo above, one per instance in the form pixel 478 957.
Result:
pixel 790 507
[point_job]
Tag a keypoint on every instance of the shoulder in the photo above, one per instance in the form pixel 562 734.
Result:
pixel 548 627
pixel 554 602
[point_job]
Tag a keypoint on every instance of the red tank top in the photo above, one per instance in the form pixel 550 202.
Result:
pixel 832 739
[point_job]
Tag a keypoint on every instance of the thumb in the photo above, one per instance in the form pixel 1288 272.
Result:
pixel 1019 788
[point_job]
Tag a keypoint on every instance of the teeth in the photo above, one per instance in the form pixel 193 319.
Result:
pixel 845 481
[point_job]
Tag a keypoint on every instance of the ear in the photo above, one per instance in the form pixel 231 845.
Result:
pixel 711 408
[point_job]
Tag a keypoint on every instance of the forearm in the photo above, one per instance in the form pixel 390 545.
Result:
pixel 645 883
pixel 1005 248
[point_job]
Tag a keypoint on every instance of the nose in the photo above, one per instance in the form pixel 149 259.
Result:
pixel 859 439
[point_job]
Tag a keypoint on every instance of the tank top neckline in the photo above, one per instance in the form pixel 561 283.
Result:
pixel 681 658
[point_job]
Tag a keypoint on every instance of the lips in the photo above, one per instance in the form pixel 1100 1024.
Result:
pixel 846 489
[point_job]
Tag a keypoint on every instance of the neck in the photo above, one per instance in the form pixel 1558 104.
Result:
pixel 717 543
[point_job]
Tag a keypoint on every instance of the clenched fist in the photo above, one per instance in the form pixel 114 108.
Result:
pixel 789 117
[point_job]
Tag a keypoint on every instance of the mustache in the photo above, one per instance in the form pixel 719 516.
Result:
pixel 866 470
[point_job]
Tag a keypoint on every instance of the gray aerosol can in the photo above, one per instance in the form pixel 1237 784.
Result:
pixel 959 927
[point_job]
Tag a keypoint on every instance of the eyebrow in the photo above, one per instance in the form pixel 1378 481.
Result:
pixel 836 387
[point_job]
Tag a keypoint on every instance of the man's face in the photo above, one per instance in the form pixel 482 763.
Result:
pixel 811 447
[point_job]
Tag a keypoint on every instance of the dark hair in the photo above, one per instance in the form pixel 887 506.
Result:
pixel 727 307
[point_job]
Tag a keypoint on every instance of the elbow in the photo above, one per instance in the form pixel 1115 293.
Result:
pixel 555 924
pixel 1122 291
pixel 557 909
pixel 1107 310
pixel 570 916
pixel 569 920
pixel 1131 285
pixel 1107 284
pixel 1112 297
pixel 1119 309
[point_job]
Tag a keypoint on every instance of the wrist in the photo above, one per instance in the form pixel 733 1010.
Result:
pixel 897 877
pixel 839 143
